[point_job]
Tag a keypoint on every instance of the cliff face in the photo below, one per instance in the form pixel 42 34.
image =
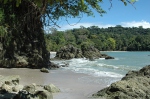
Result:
pixel 135 85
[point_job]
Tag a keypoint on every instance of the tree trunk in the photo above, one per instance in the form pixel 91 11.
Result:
pixel 26 44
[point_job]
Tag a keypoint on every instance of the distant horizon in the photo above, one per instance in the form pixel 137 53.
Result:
pixel 103 27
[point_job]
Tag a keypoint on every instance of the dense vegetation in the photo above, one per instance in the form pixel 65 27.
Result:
pixel 105 39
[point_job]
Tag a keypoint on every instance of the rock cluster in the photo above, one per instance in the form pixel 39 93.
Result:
pixel 9 85
pixel 89 52
pixel 135 85
pixel 10 89
pixel 37 92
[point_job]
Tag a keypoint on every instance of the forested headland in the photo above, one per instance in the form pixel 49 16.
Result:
pixel 116 38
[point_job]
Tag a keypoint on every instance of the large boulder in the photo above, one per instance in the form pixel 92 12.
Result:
pixel 135 85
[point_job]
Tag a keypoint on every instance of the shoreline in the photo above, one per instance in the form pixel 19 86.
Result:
pixel 71 84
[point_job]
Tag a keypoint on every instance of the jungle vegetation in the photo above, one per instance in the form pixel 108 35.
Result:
pixel 116 38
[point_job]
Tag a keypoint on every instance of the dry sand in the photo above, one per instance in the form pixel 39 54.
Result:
pixel 71 84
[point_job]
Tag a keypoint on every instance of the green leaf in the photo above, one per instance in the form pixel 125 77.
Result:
pixel 18 2
pixel 5 1
pixel 132 1
pixel 125 3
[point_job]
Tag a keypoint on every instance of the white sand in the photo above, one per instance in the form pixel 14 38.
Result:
pixel 71 84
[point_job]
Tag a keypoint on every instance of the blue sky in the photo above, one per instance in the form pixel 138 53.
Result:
pixel 119 14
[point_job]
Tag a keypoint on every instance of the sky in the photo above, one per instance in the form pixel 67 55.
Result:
pixel 126 16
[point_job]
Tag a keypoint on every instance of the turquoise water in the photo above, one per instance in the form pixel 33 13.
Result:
pixel 113 69
pixel 125 61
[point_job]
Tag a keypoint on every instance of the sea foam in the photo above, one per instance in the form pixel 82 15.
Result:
pixel 91 68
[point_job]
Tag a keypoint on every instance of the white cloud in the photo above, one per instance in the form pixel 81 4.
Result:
pixel 74 25
pixel 136 24
pixel 143 23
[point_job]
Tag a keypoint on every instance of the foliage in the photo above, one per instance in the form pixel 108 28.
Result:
pixel 111 38
pixel 52 10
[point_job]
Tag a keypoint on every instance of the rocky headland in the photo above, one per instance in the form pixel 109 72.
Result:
pixel 135 85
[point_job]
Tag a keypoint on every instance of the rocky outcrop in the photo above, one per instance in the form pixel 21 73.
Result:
pixel 89 52
pixel 69 52
pixel 135 85
pixel 11 89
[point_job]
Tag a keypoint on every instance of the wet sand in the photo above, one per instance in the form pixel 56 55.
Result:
pixel 72 85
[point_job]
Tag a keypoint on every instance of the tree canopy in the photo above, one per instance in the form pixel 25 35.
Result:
pixel 52 10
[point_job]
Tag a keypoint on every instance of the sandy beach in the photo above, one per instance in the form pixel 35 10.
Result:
pixel 72 85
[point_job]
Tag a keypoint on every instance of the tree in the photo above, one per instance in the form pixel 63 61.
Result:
pixel 111 43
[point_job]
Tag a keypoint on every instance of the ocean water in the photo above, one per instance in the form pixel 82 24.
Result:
pixel 107 71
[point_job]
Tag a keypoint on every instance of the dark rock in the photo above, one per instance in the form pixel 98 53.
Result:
pixel 106 56
pixel 135 85
pixel 109 57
